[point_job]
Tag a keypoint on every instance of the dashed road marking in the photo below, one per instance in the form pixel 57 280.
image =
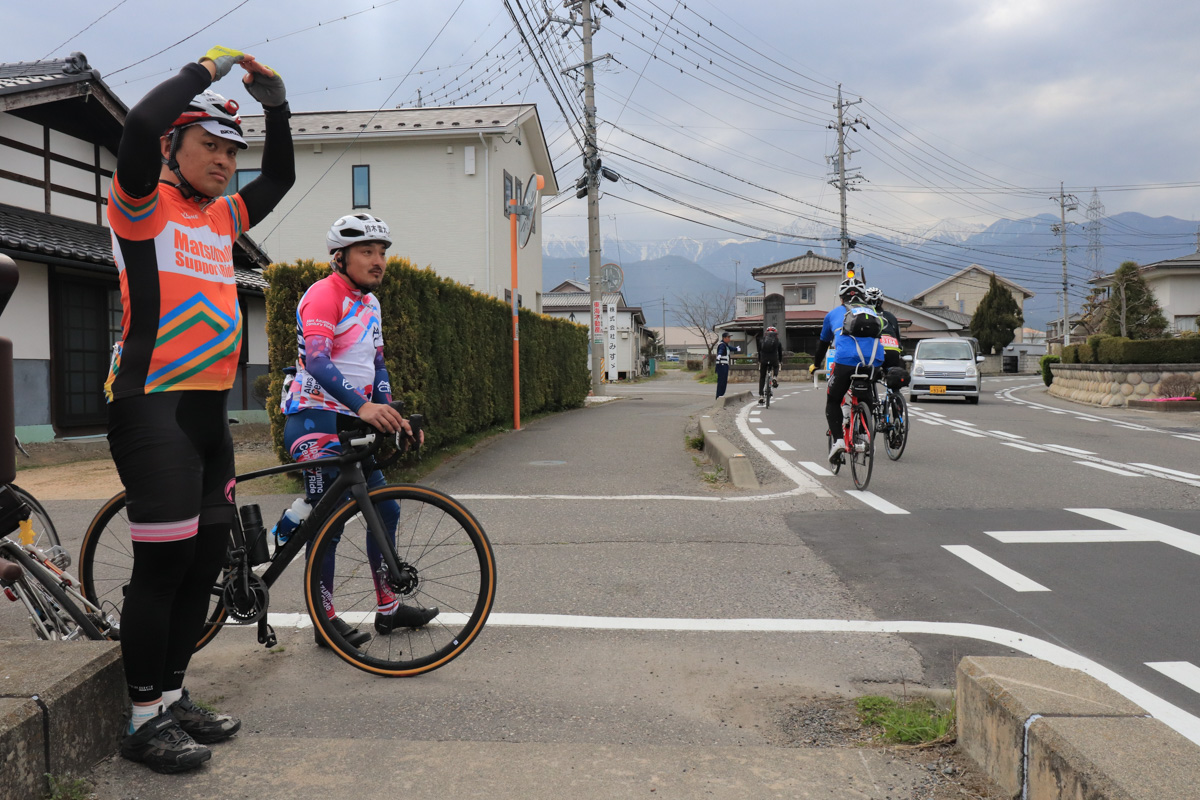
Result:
pixel 1114 470
pixel 970 433
pixel 766 431
pixel 1188 475
pixel 876 502
pixel 994 569
pixel 815 468
pixel 782 445
pixel 1026 448
pixel 1006 435
pixel 1181 671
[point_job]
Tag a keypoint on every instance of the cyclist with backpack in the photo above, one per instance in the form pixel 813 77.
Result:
pixel 173 233
pixel 340 379
pixel 770 356
pixel 890 337
pixel 853 329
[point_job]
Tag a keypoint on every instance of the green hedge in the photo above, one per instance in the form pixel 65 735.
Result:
pixel 448 351
pixel 1118 350
pixel 1046 361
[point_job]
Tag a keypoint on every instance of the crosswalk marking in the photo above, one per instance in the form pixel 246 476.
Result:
pixel 994 569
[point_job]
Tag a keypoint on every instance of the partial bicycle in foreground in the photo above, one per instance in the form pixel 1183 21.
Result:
pixel 424 546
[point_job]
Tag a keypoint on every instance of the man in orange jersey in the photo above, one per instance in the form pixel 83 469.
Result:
pixel 173 232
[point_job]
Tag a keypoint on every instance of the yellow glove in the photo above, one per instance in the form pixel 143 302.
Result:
pixel 223 59
pixel 812 368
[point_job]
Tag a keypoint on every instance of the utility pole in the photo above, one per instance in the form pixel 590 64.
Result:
pixel 840 180
pixel 593 189
pixel 1066 202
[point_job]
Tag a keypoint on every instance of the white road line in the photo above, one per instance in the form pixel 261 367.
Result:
pixel 1182 671
pixel 1134 427
pixel 1173 716
pixel 1088 419
pixel 964 422
pixel 1053 410
pixel 1066 449
pixel 928 421
pixel 1006 435
pixel 782 445
pixel 766 431
pixel 1188 475
pixel 815 468
pixel 805 483
pixel 1113 470
pixel 1185 436
pixel 994 569
pixel 970 433
pixel 935 414
pixel 876 502
pixel 1023 447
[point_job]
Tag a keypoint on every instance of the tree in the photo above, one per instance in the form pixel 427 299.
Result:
pixel 1094 310
pixel 997 318
pixel 652 348
pixel 702 313
pixel 1132 309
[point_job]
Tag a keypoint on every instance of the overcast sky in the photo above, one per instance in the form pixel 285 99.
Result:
pixel 977 108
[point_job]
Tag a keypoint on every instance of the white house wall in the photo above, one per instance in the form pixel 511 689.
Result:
pixel 1177 295
pixel 437 212
pixel 256 323
pixel 32 166
pixel 28 310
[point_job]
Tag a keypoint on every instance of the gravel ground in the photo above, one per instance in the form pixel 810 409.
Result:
pixel 833 722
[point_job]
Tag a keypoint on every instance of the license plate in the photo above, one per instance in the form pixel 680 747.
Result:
pixel 937 389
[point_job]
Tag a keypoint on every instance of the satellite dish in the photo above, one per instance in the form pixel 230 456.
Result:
pixel 612 278
pixel 528 206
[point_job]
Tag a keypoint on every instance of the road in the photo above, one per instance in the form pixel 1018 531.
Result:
pixel 963 528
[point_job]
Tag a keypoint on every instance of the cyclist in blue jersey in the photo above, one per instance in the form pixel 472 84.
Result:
pixel 852 354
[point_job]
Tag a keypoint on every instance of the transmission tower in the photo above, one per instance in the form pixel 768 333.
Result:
pixel 1094 228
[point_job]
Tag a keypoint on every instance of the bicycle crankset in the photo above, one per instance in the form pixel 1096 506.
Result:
pixel 245 597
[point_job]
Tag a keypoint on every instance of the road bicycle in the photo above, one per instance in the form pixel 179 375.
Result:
pixel 435 554
pixel 39 580
pixel 36 529
pixel 767 388
pixel 858 432
pixel 891 420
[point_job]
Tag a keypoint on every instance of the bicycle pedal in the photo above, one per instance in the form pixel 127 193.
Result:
pixel 266 635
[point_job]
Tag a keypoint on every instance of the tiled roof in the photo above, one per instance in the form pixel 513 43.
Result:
pixel 948 313
pixel 976 268
pixel 453 119
pixel 807 263
pixel 563 301
pixel 31 232
pixel 22 75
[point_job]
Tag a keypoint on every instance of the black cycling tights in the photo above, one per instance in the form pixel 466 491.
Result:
pixel 168 594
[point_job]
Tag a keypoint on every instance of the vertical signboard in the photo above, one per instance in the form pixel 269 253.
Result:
pixel 597 323
pixel 610 353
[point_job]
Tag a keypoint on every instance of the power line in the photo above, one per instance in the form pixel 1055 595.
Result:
pixel 181 41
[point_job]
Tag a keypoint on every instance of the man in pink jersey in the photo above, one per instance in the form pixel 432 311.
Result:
pixel 341 378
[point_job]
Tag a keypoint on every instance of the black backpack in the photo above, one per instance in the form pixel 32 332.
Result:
pixel 862 322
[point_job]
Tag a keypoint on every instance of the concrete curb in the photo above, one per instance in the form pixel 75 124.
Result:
pixel 721 450
pixel 1044 732
pixel 61 711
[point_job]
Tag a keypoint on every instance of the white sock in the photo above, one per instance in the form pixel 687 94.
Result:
pixel 143 714
pixel 170 696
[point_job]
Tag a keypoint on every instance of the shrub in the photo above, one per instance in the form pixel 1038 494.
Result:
pixel 1084 354
pixel 448 350
pixel 1112 350
pixel 1046 361
pixel 694 364
pixel 1156 351
pixel 1070 354
pixel 1177 385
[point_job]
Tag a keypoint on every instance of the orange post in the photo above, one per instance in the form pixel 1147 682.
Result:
pixel 512 229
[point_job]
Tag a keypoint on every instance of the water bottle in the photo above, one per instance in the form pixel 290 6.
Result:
pixel 846 414
pixel 255 535
pixel 290 520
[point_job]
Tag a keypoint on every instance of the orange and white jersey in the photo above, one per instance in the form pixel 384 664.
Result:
pixel 181 327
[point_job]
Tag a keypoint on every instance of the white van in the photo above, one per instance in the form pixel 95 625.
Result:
pixel 945 367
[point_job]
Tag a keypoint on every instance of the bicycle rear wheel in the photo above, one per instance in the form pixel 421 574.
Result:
pixel 59 618
pixel 896 438
pixel 44 534
pixel 862 460
pixel 106 563
pixel 767 390
pixel 448 563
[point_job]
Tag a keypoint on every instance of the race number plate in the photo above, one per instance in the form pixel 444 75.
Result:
pixel 937 389
pixel 889 341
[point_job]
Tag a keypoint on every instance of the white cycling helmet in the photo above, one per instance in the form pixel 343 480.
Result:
pixel 356 229
pixel 851 286
pixel 216 115
pixel 874 294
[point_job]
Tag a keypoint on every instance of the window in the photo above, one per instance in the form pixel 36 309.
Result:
pixel 1185 323
pixel 240 178
pixel 87 320
pixel 797 295
pixel 361 179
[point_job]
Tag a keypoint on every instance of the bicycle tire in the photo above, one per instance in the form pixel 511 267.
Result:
pixel 862 462
pixel 454 567
pixel 767 390
pixel 834 467
pixel 897 435
pixel 45 534
pixel 106 563
pixel 48 584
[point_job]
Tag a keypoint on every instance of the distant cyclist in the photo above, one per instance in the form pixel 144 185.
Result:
pixel 890 338
pixel 770 356
pixel 340 379
pixel 173 233
pixel 853 329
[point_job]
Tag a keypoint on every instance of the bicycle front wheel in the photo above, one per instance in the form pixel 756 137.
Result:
pixel 44 534
pixel 58 617
pixel 447 562
pixel 896 438
pixel 862 460
pixel 106 564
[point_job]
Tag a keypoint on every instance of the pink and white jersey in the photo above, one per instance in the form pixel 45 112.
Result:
pixel 352 320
